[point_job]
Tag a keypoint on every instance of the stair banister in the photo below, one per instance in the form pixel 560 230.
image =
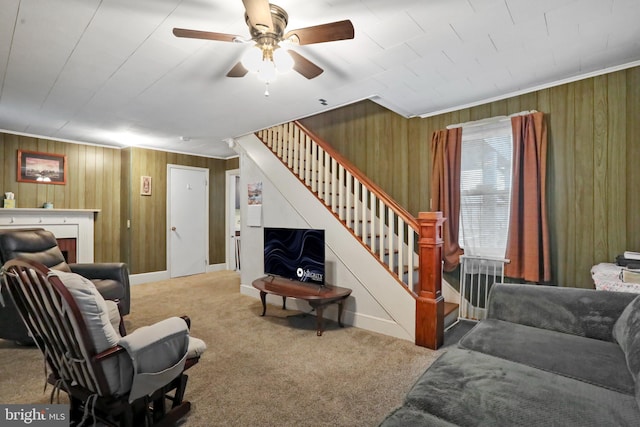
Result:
pixel 300 145
pixel 373 187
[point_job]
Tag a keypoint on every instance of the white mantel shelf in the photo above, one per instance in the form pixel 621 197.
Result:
pixel 7 211
pixel 63 223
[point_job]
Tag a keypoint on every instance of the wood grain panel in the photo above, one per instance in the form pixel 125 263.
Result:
pixel 592 162
pixel 149 213
pixel 584 196
pixel 616 164
pixel 633 159
pixel 600 168
pixel 109 179
pixel 89 169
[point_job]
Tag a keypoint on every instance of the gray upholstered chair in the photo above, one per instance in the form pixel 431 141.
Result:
pixel 111 279
pixel 110 377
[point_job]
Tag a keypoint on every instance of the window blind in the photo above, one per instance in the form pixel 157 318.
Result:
pixel 485 188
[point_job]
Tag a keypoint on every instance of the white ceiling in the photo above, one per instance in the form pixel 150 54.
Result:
pixel 111 72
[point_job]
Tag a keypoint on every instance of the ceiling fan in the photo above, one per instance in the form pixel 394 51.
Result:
pixel 267 23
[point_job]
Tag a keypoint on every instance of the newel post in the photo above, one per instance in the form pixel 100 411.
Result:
pixel 430 303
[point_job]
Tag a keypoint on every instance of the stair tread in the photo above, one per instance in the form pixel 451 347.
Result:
pixel 449 307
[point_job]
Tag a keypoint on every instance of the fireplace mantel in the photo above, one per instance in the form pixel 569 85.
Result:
pixel 63 223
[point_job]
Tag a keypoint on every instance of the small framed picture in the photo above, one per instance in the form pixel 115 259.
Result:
pixel 42 168
pixel 145 185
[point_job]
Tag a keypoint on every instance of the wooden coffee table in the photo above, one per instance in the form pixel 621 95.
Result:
pixel 317 296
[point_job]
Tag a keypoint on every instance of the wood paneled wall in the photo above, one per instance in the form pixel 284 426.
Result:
pixel 93 182
pixel 148 213
pixel 594 152
pixel 109 179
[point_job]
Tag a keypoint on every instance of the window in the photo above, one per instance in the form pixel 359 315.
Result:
pixel 485 188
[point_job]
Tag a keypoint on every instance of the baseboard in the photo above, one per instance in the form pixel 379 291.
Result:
pixel 358 320
pixel 216 267
pixel 156 276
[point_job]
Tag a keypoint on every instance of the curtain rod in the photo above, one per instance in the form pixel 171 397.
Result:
pixel 490 120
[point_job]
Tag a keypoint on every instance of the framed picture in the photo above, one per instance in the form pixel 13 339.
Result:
pixel 145 185
pixel 42 168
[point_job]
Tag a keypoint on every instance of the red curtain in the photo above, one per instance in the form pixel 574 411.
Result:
pixel 446 150
pixel 528 241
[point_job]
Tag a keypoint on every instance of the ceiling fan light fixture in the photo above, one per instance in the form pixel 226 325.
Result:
pixel 252 59
pixel 267 71
pixel 283 61
pixel 267 23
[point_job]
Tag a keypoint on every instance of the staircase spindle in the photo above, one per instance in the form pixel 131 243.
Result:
pixel 356 208
pixel 381 224
pixel 374 220
pixel 307 160
pixel 348 203
pixel 390 249
pixel 314 167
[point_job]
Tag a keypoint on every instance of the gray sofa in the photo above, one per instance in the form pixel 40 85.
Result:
pixel 545 356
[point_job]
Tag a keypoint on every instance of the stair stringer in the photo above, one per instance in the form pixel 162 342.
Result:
pixel 357 267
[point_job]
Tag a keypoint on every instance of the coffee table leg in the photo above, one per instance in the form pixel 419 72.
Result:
pixel 284 303
pixel 263 298
pixel 340 308
pixel 319 313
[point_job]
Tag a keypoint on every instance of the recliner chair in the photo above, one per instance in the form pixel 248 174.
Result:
pixel 37 244
pixel 110 377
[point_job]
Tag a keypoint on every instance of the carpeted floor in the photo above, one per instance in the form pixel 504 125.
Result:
pixel 257 371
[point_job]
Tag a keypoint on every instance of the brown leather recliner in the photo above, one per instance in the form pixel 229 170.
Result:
pixel 111 279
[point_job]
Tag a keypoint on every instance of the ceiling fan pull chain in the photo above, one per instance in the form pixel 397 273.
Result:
pixel 266 89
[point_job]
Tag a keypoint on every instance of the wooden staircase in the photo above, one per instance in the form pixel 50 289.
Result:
pixel 450 314
pixel 409 248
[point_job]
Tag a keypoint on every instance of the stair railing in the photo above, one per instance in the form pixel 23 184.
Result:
pixel 382 225
pixel 410 248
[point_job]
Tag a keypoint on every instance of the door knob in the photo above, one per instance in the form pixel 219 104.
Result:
pixel 173 229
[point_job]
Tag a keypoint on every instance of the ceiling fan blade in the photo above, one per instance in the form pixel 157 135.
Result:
pixel 238 70
pixel 207 35
pixel 303 66
pixel 259 13
pixel 340 30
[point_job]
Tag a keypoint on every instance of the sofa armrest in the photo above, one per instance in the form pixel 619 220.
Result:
pixel 117 271
pixel 105 270
pixel 582 312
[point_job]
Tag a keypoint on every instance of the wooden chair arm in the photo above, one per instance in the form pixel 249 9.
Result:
pixel 187 321
pixel 110 352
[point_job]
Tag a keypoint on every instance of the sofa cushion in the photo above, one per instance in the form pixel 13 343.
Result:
pixel 626 332
pixel 470 388
pixel 585 312
pixel 600 363
pixel 406 416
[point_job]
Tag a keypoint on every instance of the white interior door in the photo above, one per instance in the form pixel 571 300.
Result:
pixel 233 219
pixel 188 220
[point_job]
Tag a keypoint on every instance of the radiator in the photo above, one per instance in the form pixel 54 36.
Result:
pixel 477 276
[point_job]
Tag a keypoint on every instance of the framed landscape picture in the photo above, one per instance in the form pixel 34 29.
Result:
pixel 42 168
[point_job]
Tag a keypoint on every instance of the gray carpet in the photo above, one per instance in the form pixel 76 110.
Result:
pixel 257 371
